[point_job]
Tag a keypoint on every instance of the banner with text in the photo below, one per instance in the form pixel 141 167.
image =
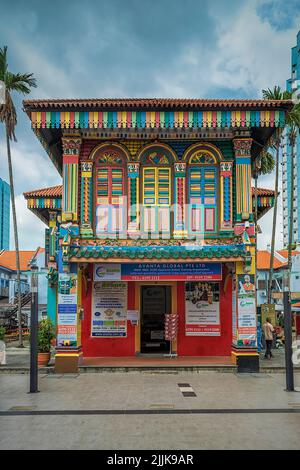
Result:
pixel 67 310
pixel 109 309
pixel 202 309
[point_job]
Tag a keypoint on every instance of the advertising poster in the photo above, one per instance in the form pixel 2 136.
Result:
pixel 247 328
pixel 202 309
pixel 234 310
pixel 107 272
pixel 109 309
pixel 67 310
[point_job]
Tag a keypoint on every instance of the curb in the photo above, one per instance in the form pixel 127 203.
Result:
pixel 142 369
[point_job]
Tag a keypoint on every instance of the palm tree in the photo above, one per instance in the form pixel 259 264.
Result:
pixel 21 83
pixel 264 164
pixel 293 122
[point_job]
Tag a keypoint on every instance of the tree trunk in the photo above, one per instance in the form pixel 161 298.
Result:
pixel 15 228
pixel 274 224
pixel 291 219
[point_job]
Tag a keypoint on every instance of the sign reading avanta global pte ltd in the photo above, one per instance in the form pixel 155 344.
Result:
pixel 158 271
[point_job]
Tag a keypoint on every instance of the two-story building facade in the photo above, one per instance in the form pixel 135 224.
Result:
pixel 154 216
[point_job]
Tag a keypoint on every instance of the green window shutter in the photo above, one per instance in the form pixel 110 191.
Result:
pixel 149 186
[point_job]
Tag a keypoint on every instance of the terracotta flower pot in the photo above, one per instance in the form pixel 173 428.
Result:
pixel 43 359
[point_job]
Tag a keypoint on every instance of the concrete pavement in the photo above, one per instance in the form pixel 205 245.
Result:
pixel 149 411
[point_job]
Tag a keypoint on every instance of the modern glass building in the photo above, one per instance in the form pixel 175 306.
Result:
pixel 293 83
pixel 4 215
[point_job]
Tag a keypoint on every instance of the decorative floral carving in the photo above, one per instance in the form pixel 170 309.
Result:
pixel 155 158
pixel 179 167
pixel 110 158
pixel 86 166
pixel 242 147
pixel 226 166
pixel 133 167
pixel 202 158
pixel 71 146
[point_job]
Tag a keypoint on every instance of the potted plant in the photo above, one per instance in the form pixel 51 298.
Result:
pixel 45 336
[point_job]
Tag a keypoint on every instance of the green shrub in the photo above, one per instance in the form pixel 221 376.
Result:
pixel 45 335
pixel 2 333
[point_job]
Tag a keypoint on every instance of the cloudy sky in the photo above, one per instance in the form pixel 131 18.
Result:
pixel 139 48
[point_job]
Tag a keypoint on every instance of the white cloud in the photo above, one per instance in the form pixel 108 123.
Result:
pixel 32 170
pixel 250 53
pixel 31 230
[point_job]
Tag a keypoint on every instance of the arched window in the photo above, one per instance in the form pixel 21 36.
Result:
pixel 110 190
pixel 202 192
pixel 156 190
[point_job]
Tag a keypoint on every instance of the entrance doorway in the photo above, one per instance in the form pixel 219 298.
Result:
pixel 155 303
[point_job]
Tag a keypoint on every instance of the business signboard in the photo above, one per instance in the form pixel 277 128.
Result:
pixel 202 309
pixel 171 271
pixel 67 310
pixel 109 309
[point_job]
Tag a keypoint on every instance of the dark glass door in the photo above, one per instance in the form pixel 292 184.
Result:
pixel 156 302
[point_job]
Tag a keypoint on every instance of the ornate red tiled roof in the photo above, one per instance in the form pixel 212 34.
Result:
pixel 154 103
pixel 54 191
pixel 263 192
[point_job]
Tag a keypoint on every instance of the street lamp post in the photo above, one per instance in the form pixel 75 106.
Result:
pixel 289 370
pixel 34 331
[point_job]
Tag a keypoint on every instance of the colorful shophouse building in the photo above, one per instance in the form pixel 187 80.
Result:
pixel 154 216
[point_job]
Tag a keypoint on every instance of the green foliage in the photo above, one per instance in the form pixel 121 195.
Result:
pixel 19 82
pixel 2 333
pixel 267 163
pixel 45 335
pixel 293 115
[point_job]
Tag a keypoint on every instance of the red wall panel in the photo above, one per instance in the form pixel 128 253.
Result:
pixel 106 347
pixel 207 345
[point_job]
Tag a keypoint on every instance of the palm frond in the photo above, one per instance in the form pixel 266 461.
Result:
pixel 266 163
pixel 293 117
pixel 20 82
pixel 275 94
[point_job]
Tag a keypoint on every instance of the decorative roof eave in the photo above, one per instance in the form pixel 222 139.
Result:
pixel 151 103
pixel 158 253
pixel 56 191
pixel 51 118
pixel 52 192
pixel 188 119
pixel 74 259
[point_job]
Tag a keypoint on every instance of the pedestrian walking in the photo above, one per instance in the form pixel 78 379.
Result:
pixel 268 330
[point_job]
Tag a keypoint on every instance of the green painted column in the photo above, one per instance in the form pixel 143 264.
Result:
pixel 51 304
